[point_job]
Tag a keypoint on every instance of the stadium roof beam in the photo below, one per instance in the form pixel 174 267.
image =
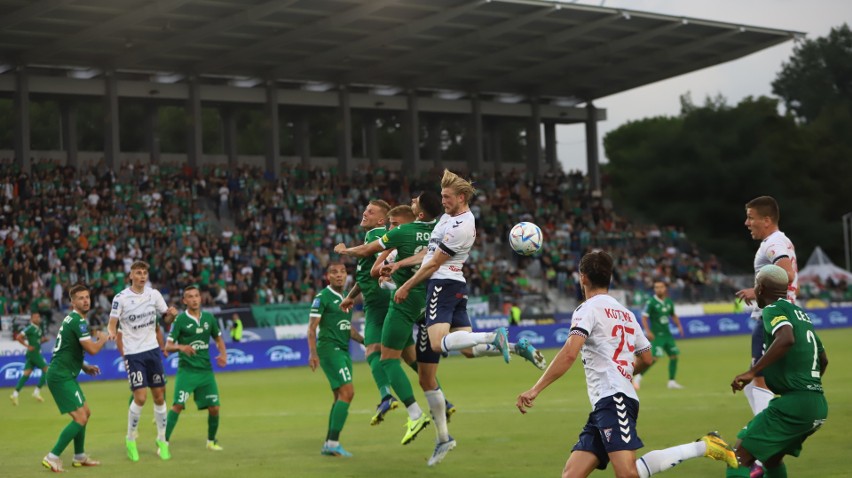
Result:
pixel 34 9
pixel 406 29
pixel 311 29
pixel 221 25
pixel 99 30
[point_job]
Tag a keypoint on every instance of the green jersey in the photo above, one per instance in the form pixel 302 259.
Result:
pixel 659 312
pixel 408 239
pixel 33 334
pixel 67 358
pixel 373 294
pixel 334 325
pixel 798 369
pixel 195 332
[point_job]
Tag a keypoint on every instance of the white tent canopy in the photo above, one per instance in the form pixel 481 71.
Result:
pixel 820 268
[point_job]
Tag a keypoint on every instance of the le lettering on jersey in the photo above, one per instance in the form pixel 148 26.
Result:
pixel 137 314
pixel 455 236
pixel 613 338
pixel 775 247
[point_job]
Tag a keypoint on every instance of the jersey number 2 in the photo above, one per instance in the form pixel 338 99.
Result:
pixel 622 332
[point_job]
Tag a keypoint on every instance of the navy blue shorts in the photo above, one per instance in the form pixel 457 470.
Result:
pixel 757 347
pixel 446 303
pixel 611 427
pixel 145 370
pixel 425 354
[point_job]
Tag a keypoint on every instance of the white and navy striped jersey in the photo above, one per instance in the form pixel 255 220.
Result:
pixel 775 247
pixel 613 338
pixel 137 314
pixel 454 235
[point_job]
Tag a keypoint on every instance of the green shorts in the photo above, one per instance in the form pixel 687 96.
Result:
pixel 784 425
pixel 67 394
pixel 35 361
pixel 398 331
pixel 374 319
pixel 201 384
pixel 664 345
pixel 337 365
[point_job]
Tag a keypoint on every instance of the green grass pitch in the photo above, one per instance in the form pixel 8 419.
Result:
pixel 274 422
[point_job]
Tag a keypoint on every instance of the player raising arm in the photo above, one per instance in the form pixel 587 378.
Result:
pixel 72 340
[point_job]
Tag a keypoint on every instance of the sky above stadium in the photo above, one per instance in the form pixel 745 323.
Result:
pixel 735 80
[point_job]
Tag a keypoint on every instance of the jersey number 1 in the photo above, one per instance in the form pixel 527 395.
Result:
pixel 623 332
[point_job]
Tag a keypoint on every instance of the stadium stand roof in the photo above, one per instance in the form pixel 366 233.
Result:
pixel 568 52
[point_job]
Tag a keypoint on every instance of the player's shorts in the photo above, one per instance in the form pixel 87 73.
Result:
pixel 374 320
pixel 425 354
pixel 35 361
pixel 337 365
pixel 67 394
pixel 398 329
pixel 145 369
pixel 200 384
pixel 604 434
pixel 757 347
pixel 783 426
pixel 664 345
pixel 446 303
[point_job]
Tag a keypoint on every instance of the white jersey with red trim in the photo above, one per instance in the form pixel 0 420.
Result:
pixel 454 235
pixel 773 248
pixel 137 315
pixel 613 338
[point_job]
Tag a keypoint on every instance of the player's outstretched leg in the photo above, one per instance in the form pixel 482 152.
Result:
pixel 710 445
pixel 526 350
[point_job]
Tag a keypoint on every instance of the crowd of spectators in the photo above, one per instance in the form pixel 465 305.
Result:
pixel 246 237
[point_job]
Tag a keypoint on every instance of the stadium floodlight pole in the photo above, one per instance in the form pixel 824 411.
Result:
pixel 847 237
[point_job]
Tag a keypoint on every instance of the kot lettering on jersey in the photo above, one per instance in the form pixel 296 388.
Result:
pixel 772 249
pixel 137 314
pixel 454 235
pixel 613 338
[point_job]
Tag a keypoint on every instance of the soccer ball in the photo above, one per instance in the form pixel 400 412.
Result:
pixel 525 238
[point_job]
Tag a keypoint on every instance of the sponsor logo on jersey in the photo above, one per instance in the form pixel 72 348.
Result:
pixel 283 353
pixel 199 345
pixel 835 317
pixel 698 327
pixel 316 303
pixel 238 357
pixel 115 305
pixel 728 325
pixel 531 336
pixel 561 335
pixel 344 325
pixel 12 371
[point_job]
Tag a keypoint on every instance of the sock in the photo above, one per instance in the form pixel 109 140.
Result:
pixel 79 456
pixel 414 411
pixel 161 417
pixel 379 375
pixel 748 391
pixel 486 350
pixel 339 412
pixel 41 380
pixel 672 369
pixel 67 435
pixel 761 398
pixel 779 471
pixel 739 472
pixel 462 339
pixel 438 407
pixel 20 384
pixel 171 423
pixel 661 460
pixel 399 381
pixel 134 413
pixel 15 394
pixel 80 442
pixel 213 426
